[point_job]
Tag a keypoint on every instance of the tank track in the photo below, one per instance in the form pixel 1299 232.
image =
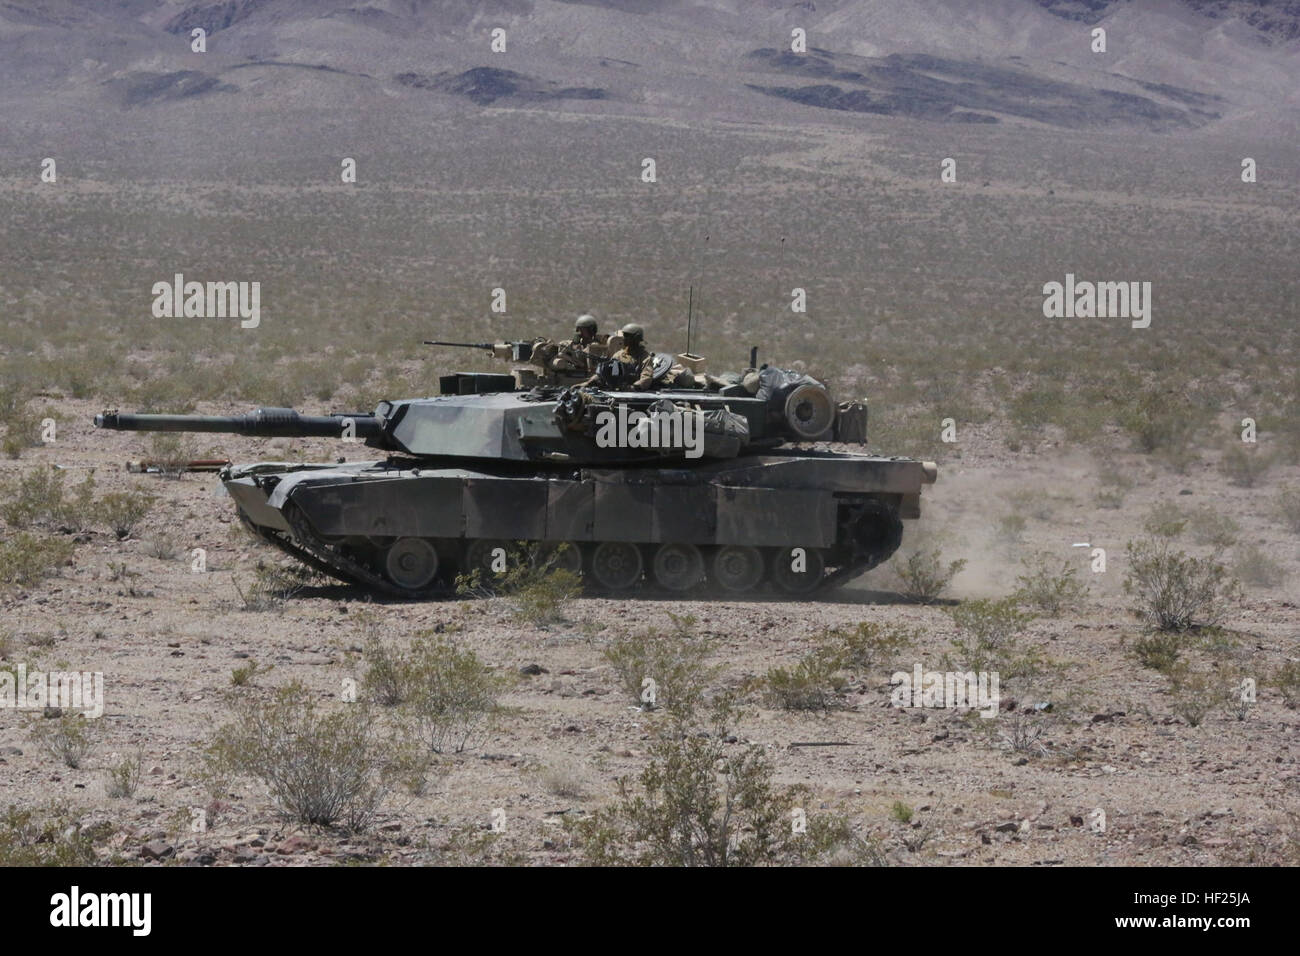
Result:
pixel 306 546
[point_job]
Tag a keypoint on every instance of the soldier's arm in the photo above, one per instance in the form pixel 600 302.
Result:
pixel 646 379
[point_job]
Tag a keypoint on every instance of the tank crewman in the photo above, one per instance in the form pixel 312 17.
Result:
pixel 583 353
pixel 637 361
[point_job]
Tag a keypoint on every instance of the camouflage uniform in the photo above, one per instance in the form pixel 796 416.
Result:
pixel 640 363
pixel 583 352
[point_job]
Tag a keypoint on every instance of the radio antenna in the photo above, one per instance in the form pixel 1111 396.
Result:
pixel 690 308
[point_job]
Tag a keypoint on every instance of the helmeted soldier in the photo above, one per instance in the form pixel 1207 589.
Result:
pixel 635 366
pixel 584 351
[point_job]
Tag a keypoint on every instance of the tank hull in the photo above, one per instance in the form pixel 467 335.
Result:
pixel 398 527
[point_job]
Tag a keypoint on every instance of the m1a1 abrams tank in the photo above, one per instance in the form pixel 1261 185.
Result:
pixel 676 488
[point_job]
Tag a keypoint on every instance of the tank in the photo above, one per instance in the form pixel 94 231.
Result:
pixel 725 487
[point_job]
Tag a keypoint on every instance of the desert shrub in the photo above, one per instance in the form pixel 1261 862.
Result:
pixel 563 780
pixel 38 499
pixel 385 680
pixel 1157 421
pixel 1193 693
pixel 27 558
pixel 1288 507
pixel 54 840
pixel 122 511
pixel 1050 585
pixel 273 584
pixel 1213 528
pixel 1115 484
pixel 675 660
pixel 901 812
pixel 1287 680
pixel 163 546
pixel 321 768
pixel 171 453
pixel 989 638
pixel 122 777
pixel 1254 566
pixel 1244 465
pixel 868 646
pixel 923 576
pixel 699 804
pixel 815 682
pixel 1159 650
pixel 245 674
pixel 536 583
pixel 450 694
pixel 1175 591
pixel 22 426
pixel 67 737
pixel 1166 520
pixel 1012 527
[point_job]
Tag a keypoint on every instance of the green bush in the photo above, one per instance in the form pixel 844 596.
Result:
pixel 535 580
pixel 123 777
pixel 67 737
pixel 1287 680
pixel 273 584
pixel 700 804
pixel 450 694
pixel 1213 528
pixel 1166 520
pixel 321 768
pixel 1174 590
pixel 1050 585
pixel 38 499
pixel 1244 465
pixel 989 638
pixel 676 661
pixel 1158 650
pixel 816 682
pixel 1288 507
pixel 57 840
pixel 26 558
pixel 868 646
pixel 923 576
pixel 122 511
pixel 1255 567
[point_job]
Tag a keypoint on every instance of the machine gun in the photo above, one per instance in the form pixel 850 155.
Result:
pixel 509 351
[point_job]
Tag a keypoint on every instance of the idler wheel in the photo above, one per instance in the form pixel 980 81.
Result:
pixel 797 582
pixel 737 568
pixel 808 411
pixel 678 567
pixel 616 565
pixel 411 563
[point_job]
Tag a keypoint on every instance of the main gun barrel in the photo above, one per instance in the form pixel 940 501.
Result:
pixel 262 423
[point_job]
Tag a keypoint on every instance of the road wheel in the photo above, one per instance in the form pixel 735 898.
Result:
pixel 678 567
pixel 616 565
pixel 797 570
pixel 737 568
pixel 482 552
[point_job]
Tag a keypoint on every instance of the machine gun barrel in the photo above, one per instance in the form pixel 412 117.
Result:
pixel 262 423
pixel 464 345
